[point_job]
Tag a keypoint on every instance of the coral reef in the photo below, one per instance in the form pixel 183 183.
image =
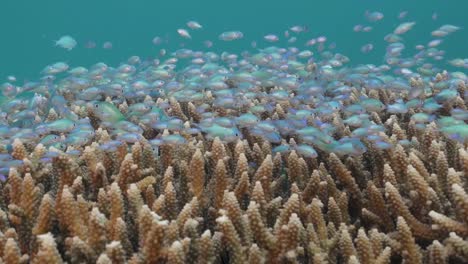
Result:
pixel 209 201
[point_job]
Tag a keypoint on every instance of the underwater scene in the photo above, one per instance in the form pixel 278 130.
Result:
pixel 234 131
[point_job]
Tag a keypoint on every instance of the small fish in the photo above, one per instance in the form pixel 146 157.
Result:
pixel 184 33
pixel 404 27
pixel 110 145
pixel 360 132
pixel 107 45
pixel 127 126
pixel 367 29
pixel 422 118
pixel 419 47
pixel 414 103
pixel 434 43
pixel 367 48
pixel 358 28
pixel 52 154
pixel 446 95
pixel 134 60
pixel 5 157
pixel 298 29
pixel 208 43
pixel 404 142
pixel 8 89
pixel 271 38
pixel 308 131
pixel 194 25
pixel 76 140
pixel 78 71
pixel 439 33
pixel 321 39
pixel 272 137
pixel 383 145
pixel 372 105
pixel 292 40
pixel 392 38
pixel 224 133
pixel 74 152
pixel 397 108
pixel 108 112
pixel 457 132
pixel 457 62
pixel 356 120
pixel 349 147
pixel 306 151
pixel 374 16
pixel 311 42
pixel 157 40
pixel 12 163
pixel 430 106
pixel 138 109
pixel 448 121
pixel 55 68
pixel 281 149
pixel 129 137
pixel 402 14
pixel 61 125
pixel 66 42
pixel 231 35
pixel 174 139
pixel 247 120
pixel 459 114
pixel 90 94
pixel 449 28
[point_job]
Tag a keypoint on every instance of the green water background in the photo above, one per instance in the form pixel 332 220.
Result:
pixel 29 27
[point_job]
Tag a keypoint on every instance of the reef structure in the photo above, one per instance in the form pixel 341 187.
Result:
pixel 208 201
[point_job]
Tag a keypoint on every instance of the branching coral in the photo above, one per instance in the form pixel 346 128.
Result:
pixel 213 202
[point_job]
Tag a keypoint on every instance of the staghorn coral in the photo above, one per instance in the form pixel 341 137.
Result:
pixel 238 203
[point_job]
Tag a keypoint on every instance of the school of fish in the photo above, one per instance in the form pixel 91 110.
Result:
pixel 306 92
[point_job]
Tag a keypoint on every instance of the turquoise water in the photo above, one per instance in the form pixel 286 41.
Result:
pixel 30 27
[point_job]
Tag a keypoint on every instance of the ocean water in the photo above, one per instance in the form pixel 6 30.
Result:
pixel 29 28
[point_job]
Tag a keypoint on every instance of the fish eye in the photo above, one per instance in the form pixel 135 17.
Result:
pixel 96 105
